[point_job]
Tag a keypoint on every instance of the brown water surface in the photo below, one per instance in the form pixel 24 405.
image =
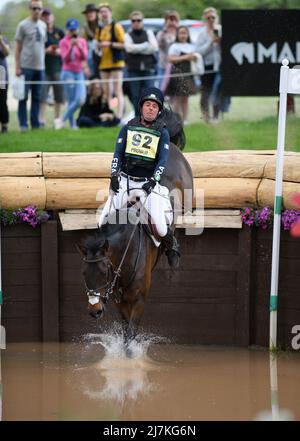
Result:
pixel 93 381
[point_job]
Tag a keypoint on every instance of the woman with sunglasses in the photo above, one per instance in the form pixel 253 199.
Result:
pixel 140 46
pixel 208 45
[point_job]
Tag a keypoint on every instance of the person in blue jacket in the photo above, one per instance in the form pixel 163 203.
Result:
pixel 139 161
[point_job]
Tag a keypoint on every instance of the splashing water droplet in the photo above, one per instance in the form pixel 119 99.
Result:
pixel 113 343
pixel 125 376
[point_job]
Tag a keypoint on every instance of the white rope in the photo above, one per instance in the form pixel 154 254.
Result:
pixel 125 80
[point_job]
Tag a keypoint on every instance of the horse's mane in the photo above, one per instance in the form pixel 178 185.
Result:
pixel 92 243
pixel 175 128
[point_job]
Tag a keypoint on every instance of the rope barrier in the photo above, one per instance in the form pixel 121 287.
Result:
pixel 109 80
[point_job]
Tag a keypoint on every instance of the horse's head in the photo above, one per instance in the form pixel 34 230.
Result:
pixel 97 272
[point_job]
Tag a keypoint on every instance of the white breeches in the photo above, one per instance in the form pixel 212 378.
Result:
pixel 157 203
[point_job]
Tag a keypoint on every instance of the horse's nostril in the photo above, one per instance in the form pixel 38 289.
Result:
pixel 96 314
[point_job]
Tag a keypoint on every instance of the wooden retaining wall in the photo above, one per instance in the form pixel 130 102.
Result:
pixel 219 295
pixel 230 179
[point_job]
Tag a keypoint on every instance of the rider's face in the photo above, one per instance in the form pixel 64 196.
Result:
pixel 150 110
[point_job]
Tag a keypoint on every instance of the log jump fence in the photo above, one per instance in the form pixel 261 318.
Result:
pixel 220 293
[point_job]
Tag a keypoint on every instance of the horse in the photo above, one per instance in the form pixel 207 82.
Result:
pixel 120 258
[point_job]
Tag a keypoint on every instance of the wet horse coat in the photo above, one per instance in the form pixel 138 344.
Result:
pixel 103 253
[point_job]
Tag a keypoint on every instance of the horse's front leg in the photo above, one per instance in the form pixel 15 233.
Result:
pixel 129 330
pixel 131 317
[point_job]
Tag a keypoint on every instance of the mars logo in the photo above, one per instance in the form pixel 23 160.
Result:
pixel 258 53
pixel 242 50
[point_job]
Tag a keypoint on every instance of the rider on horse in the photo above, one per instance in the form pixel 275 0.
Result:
pixel 139 161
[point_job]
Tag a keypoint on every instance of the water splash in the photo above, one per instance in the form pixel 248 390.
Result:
pixel 121 384
pixel 113 343
pixel 123 378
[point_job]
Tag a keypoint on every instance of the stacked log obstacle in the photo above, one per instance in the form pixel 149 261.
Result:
pixel 230 179
pixel 224 277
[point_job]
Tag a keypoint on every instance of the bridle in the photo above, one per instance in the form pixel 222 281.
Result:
pixel 108 286
pixel 94 295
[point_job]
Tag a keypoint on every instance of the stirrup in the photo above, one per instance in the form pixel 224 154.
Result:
pixel 172 251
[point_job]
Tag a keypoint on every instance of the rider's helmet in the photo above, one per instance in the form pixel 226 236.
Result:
pixel 152 94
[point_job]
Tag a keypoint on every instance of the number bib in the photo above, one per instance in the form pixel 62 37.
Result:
pixel 142 143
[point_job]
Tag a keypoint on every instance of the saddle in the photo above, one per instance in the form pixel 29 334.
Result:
pixel 147 223
pixel 151 231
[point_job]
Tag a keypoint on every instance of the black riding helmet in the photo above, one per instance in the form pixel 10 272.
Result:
pixel 152 94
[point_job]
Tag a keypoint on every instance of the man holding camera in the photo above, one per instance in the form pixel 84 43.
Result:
pixel 74 54
pixel 52 67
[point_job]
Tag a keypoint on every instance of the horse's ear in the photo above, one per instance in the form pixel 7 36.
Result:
pixel 81 249
pixel 105 246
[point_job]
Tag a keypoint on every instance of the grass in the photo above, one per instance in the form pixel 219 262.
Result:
pixel 251 124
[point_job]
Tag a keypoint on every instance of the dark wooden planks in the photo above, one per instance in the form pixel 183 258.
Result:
pixel 243 286
pixel 21 276
pixel 50 288
pixel 200 295
pixel 219 294
pixel 288 287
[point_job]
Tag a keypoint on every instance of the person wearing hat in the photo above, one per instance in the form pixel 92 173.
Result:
pixel 53 67
pixel 139 161
pixel 74 53
pixel 89 31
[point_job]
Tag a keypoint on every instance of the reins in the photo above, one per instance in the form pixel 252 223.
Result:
pixel 94 294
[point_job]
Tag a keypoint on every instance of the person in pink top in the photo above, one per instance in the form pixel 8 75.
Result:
pixel 74 54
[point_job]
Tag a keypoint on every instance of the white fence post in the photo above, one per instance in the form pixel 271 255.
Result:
pixel 289 83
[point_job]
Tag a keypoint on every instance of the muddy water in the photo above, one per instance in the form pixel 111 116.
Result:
pixel 93 380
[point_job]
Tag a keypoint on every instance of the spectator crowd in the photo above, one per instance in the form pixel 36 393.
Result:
pixel 86 69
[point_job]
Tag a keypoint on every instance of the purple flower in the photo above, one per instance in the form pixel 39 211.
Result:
pixel 248 215
pixel 263 217
pixel 29 214
pixel 289 218
pixel 259 217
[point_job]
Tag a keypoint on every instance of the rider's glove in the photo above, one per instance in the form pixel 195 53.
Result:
pixel 114 183
pixel 149 185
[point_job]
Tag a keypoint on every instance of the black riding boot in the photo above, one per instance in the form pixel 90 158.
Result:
pixel 172 249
